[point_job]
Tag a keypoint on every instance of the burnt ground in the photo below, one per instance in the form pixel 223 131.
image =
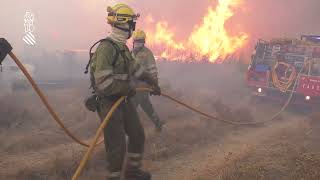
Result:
pixel 190 146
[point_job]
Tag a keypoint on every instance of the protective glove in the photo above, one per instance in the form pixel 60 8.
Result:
pixel 156 91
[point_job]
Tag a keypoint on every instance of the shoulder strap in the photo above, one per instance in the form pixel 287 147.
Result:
pixel 117 51
pixel 91 54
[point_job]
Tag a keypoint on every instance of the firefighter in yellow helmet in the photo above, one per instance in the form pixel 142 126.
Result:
pixel 111 73
pixel 144 59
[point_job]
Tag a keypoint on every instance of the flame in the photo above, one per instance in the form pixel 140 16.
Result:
pixel 162 41
pixel 219 44
pixel 208 41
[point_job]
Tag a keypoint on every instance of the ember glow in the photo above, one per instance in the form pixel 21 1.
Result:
pixel 208 41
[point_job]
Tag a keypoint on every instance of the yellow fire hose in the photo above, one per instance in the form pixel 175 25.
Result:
pixel 45 101
pixel 87 155
pixel 113 109
pixel 116 105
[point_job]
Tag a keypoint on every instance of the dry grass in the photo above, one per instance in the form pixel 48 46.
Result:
pixel 287 158
pixel 37 149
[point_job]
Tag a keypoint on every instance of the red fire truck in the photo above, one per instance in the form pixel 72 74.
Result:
pixel 286 68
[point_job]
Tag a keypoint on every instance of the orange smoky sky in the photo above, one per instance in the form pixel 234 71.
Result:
pixel 63 24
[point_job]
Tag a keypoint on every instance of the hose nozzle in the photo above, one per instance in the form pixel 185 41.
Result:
pixel 5 48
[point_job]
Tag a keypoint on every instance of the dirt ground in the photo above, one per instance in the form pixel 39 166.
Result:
pixel 190 147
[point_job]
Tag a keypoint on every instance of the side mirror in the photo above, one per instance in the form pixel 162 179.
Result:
pixel 5 48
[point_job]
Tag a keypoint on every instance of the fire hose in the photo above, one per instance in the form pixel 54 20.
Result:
pixel 113 109
pixel 117 103
pixel 46 103
pixel 68 132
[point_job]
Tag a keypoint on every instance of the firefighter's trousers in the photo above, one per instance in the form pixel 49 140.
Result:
pixel 143 99
pixel 125 121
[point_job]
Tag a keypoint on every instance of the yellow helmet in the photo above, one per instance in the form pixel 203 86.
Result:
pixel 139 35
pixel 121 14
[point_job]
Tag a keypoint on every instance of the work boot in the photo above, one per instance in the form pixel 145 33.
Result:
pixel 133 169
pixel 114 176
pixel 137 174
pixel 159 124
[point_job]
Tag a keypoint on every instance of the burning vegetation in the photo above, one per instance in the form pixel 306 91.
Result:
pixel 209 41
pixel 190 146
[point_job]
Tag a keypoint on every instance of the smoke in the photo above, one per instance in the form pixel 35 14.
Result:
pixel 284 18
pixel 76 24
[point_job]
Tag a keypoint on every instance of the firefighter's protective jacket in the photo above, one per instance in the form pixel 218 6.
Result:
pixel 112 68
pixel 145 62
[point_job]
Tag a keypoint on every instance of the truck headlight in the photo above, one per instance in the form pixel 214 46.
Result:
pixel 259 90
pixel 308 98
